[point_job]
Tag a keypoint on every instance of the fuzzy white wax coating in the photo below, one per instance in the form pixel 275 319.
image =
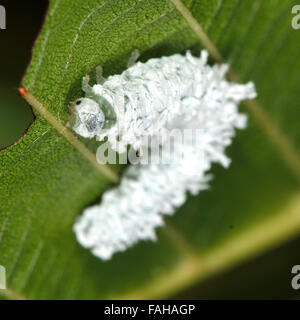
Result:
pixel 177 92
pixel 148 95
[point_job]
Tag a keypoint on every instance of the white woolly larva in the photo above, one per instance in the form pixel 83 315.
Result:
pixel 176 92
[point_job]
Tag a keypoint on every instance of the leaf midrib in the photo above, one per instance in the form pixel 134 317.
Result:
pixel 278 139
pixel 69 136
pixel 250 242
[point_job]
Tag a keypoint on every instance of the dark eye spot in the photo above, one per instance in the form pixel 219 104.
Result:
pixel 78 102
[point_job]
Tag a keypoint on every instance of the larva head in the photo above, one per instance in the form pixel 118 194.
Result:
pixel 86 117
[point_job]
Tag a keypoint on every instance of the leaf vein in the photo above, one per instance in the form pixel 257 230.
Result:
pixel 278 139
pixel 70 137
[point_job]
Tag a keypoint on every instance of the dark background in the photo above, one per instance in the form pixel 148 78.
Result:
pixel 23 22
pixel 267 276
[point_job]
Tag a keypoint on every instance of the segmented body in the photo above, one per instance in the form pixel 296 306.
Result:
pixel 177 92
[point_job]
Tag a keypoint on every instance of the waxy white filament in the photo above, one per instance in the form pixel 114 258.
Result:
pixel 181 92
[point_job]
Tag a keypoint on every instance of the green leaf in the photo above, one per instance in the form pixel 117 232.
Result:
pixel 49 176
